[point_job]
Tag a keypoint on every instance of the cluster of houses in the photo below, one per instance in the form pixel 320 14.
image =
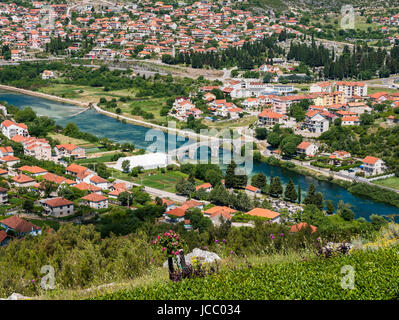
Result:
pixel 35 147
pixel 347 102
pixel 177 213
pixel 118 30
pixel 99 191
pixel 370 166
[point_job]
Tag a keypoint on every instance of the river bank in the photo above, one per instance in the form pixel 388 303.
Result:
pixel 170 130
pixel 43 95
pixel 102 125
pixel 368 191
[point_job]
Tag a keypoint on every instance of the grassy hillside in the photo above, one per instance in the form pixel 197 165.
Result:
pixel 376 277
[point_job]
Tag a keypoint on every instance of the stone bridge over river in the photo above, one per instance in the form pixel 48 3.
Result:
pixel 213 144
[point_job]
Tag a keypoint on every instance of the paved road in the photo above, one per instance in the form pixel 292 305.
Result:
pixel 155 192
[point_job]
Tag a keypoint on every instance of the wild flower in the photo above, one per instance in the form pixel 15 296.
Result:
pixel 281 234
pixel 272 236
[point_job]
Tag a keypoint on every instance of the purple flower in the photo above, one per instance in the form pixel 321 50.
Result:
pixel 33 280
pixel 272 236
pixel 216 241
pixel 224 240
pixel 281 234
pixel 205 248
pixel 231 252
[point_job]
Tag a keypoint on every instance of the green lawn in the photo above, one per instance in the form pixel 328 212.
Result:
pixel 155 179
pixel 104 158
pixel 392 182
pixel 41 223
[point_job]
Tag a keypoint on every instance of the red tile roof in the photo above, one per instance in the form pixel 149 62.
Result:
pixel 94 197
pixel 18 224
pixel 304 145
pixel 3 235
pixel 264 213
pixel 177 212
pixel 299 226
pixel 75 168
pixel 22 178
pixel 370 160
pixel 204 186
pixel 58 202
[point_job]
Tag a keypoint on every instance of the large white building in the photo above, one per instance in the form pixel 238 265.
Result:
pixel 11 129
pixel 351 89
pixel 147 161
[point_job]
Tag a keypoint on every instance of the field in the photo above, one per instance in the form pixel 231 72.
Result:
pixel 371 90
pixel 66 140
pixel 316 278
pixel 241 122
pixel 155 179
pixel 84 93
pixel 392 182
pixel 106 157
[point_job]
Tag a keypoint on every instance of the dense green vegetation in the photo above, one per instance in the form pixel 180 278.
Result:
pixel 247 57
pixel 363 62
pixel 375 278
pixel 364 141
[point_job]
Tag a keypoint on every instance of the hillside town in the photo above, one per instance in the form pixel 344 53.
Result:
pixel 143 144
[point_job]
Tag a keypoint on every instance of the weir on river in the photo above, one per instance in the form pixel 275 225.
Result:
pixel 104 126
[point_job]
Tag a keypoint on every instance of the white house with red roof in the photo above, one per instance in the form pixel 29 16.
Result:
pixel 351 89
pixel 34 171
pixel 269 118
pixel 206 186
pixel 350 121
pixel 372 166
pixel 251 190
pixel 58 207
pixel 20 226
pixel 37 148
pixel 6 151
pixel 317 123
pixel 307 148
pixel 11 129
pixel 69 150
pixel 321 87
pixel 96 201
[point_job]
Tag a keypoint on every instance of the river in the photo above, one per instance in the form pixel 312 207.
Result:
pixel 103 126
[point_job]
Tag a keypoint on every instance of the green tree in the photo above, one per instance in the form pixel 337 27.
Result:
pixel 299 194
pixel 290 192
pixel 330 207
pixel 126 165
pixel 233 180
pixel 259 180
pixel 276 189
pixel 214 177
pixel 185 187
pixel 310 196
pixel 28 205
pixel 125 198
pixel 313 215
pixel 346 213
pixel 198 220
pixel 261 133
